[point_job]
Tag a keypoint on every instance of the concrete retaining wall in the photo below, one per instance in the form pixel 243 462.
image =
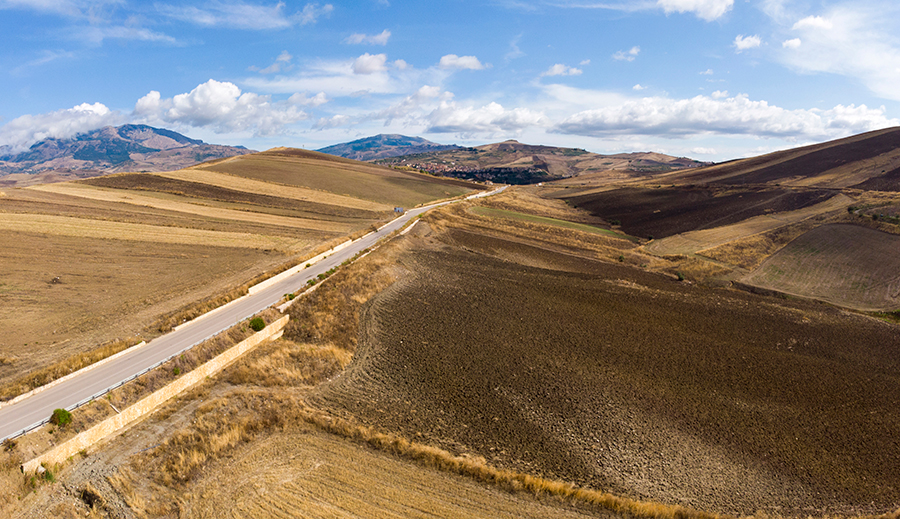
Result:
pixel 82 441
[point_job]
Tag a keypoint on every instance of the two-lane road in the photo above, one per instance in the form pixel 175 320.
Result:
pixel 35 410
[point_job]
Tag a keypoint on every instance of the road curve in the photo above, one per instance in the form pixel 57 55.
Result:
pixel 31 412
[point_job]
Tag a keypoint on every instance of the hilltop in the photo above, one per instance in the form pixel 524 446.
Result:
pixel 383 146
pixel 131 147
pixel 516 163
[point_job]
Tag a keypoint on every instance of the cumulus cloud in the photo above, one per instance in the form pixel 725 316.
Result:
pixel 400 64
pixel 221 107
pixel 370 63
pixel 335 121
pixel 719 94
pixel 706 9
pixel 304 100
pixel 243 15
pixel 451 61
pixel 814 22
pixel 707 72
pixel 738 115
pixel 411 107
pixel 791 44
pixel 23 131
pixel 492 118
pixel 562 70
pixel 742 43
pixel 638 87
pixel 374 39
pixel 628 55
pixel 858 41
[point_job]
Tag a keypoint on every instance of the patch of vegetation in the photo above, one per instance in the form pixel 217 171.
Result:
pixel 61 417
pixel 257 324
pixel 513 215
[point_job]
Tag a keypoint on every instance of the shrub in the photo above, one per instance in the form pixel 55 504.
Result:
pixel 176 371
pixel 61 417
pixel 257 324
pixel 621 258
pixel 680 276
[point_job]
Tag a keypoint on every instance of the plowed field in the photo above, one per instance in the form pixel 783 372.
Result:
pixel 667 211
pixel 623 380
pixel 847 265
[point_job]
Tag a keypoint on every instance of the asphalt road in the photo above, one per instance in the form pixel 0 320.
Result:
pixel 35 410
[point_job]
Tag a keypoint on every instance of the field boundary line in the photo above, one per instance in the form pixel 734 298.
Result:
pixel 71 375
pixel 152 401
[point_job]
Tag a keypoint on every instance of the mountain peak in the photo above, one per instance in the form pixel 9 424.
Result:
pixel 384 146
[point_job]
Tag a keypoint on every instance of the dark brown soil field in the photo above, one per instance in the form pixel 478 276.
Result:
pixel 889 181
pixel 306 209
pixel 847 265
pixel 811 162
pixel 628 381
pixel 662 212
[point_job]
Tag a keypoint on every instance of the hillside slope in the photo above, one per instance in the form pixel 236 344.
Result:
pixel 383 146
pixel 132 147
pixel 517 163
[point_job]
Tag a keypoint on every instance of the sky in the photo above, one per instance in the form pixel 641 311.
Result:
pixel 708 79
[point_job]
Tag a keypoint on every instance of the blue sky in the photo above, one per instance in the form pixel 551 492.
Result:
pixel 708 79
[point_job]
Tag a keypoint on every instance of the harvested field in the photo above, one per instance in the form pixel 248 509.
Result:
pixel 248 185
pixel 627 381
pixel 667 211
pixel 66 294
pixel 314 474
pixel 342 177
pixel 101 229
pixel 160 184
pixel 843 264
pixel 189 206
pixel 694 241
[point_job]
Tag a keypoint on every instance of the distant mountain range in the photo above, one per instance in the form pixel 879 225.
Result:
pixel 516 163
pixel 384 146
pixel 132 147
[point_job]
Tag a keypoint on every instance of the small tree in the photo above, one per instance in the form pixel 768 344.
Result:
pixel 257 324
pixel 61 417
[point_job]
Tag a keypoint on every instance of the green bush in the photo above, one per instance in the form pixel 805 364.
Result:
pixel 680 276
pixel 257 324
pixel 61 417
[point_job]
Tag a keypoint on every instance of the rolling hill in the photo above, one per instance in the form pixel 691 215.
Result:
pixel 517 163
pixel 383 146
pixel 131 147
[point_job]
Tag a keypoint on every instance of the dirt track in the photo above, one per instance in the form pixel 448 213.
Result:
pixel 628 381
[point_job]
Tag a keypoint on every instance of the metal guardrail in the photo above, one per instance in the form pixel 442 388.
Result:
pixel 121 383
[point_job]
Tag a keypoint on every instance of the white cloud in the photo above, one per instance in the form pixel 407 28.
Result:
pixel 627 55
pixel 514 50
pixel 243 15
pixel 374 39
pixel 707 72
pixel 562 70
pixel 491 119
pixel 859 41
pixel 411 107
pixel 370 63
pixel 738 115
pixel 742 43
pixel 400 64
pixel 585 62
pixel 284 57
pixel 335 121
pixel 791 44
pixel 221 107
pixel 23 131
pixel 706 9
pixel 451 61
pixel 703 151
pixel 638 87
pixel 814 22
pixel 719 94
pixel 304 100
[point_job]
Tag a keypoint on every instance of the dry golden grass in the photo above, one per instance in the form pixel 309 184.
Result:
pixel 100 229
pixel 60 369
pixel 187 205
pixel 272 189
